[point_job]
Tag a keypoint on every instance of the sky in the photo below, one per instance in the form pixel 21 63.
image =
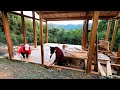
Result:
pixel 75 22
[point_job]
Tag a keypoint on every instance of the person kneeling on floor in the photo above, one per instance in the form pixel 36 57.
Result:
pixel 25 52
pixel 60 59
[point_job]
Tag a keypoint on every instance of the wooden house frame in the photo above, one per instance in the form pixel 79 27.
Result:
pixel 60 16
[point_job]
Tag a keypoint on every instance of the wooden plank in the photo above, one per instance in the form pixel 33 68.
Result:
pixel 7 34
pixel 101 69
pixel 41 37
pixel 104 51
pixel 46 32
pixel 101 56
pixel 109 71
pixel 23 28
pixel 69 68
pixel 115 57
pixel 34 30
pixel 114 33
pixel 115 65
pixel 77 55
pixel 92 41
pixel 108 30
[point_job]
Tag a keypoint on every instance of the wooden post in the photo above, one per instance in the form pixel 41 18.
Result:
pixel 23 28
pixel 114 33
pixel 34 30
pixel 92 41
pixel 46 32
pixel 84 36
pixel 117 61
pixel 113 36
pixel 41 37
pixel 108 30
pixel 7 34
pixel 96 54
pixel 85 33
pixel 87 24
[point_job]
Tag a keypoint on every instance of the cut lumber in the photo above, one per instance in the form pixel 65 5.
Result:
pixel 109 71
pixel 101 69
pixel 115 65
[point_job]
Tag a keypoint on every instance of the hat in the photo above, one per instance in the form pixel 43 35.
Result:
pixel 27 47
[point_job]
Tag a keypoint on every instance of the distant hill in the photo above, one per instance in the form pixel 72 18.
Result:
pixel 68 26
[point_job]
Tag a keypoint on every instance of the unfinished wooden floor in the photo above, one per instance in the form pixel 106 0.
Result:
pixel 36 53
pixel 35 56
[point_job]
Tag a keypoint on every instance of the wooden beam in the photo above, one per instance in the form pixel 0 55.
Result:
pixel 7 34
pixel 46 32
pixel 77 18
pixel 108 30
pixel 92 40
pixel 23 15
pixel 34 30
pixel 41 37
pixel 115 65
pixel 69 68
pixel 114 33
pixel 23 28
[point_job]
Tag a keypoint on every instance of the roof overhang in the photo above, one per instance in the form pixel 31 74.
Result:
pixel 75 15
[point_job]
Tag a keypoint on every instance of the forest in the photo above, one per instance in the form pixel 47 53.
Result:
pixel 55 35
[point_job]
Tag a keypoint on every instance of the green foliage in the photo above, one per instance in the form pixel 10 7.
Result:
pixel 102 25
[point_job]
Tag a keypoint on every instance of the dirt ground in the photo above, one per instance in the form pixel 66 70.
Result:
pixel 20 70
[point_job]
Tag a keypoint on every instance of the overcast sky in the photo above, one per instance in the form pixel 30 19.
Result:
pixel 29 13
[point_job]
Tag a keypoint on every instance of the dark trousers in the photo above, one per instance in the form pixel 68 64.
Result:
pixel 24 54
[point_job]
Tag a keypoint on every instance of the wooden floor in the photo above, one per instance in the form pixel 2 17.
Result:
pixel 36 53
pixel 35 56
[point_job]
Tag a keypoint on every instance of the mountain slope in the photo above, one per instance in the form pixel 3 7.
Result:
pixel 68 26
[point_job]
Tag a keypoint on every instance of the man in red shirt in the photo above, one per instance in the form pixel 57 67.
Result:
pixel 25 52
pixel 60 59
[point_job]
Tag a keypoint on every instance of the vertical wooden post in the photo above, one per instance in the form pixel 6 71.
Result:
pixel 7 34
pixel 117 61
pixel 46 32
pixel 108 30
pixel 23 28
pixel 113 36
pixel 84 36
pixel 87 24
pixel 92 40
pixel 96 54
pixel 85 32
pixel 34 29
pixel 41 37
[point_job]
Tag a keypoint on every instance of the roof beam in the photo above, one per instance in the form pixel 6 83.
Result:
pixel 23 15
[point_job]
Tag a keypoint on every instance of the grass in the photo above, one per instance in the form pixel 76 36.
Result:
pixel 20 70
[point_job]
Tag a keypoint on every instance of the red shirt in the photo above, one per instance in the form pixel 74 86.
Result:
pixel 59 55
pixel 22 49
